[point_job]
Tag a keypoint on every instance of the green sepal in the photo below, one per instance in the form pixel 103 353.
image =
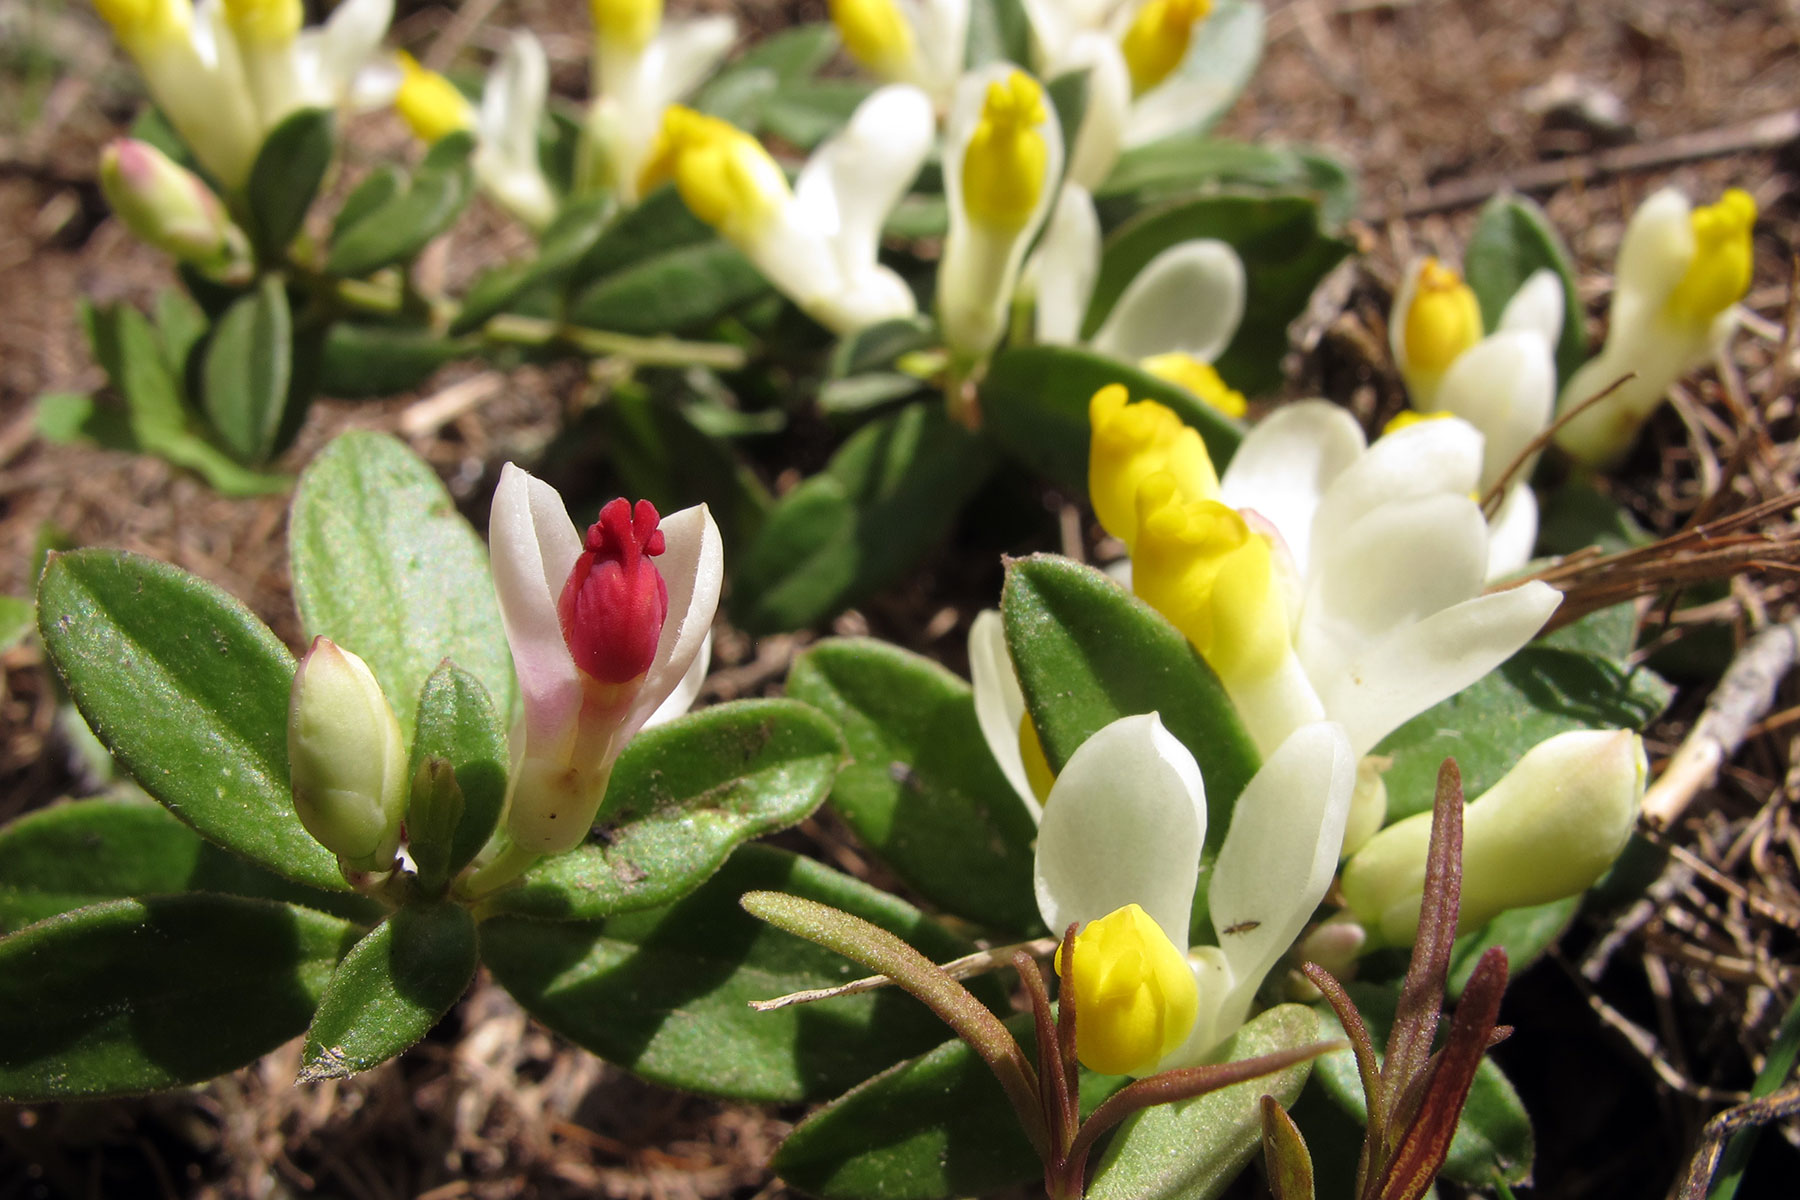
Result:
pixel 459 727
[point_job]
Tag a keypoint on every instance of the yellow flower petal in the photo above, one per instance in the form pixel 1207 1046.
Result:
pixel 1007 158
pixel 1136 999
pixel 1158 39
pixel 1131 442
pixel 1719 274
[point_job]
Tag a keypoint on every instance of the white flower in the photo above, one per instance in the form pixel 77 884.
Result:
pixel 817 242
pixel 1680 274
pixel 921 42
pixel 597 656
pixel 1125 824
pixel 506 148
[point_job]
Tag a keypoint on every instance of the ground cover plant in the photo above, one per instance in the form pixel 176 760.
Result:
pixel 972 284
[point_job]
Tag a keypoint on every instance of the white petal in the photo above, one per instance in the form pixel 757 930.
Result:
pixel 1505 386
pixel 683 55
pixel 349 40
pixel 1512 534
pixel 512 103
pixel 533 546
pixel 941 28
pixel 1401 676
pixel 1123 825
pixel 1537 307
pixel 999 703
pixel 1221 56
pixel 1188 299
pixel 863 299
pixel 1429 458
pixel 1064 267
pixel 1403 300
pixel 1287 462
pixel 1399 563
pixel 682 698
pixel 693 567
pixel 1656 249
pixel 1272 707
pixel 1102 132
pixel 852 182
pixel 1280 853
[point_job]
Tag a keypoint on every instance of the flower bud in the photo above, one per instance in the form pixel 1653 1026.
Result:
pixel 429 103
pixel 169 207
pixel 724 175
pixel 1130 443
pixel 1549 829
pixel 1158 39
pixel 1006 161
pixel 1136 998
pixel 614 603
pixel 346 758
pixel 1436 318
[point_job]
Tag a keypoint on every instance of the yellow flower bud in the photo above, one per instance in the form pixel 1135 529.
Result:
pixel 430 104
pixel 1719 273
pixel 1198 563
pixel 1158 39
pixel 724 175
pixel 1135 996
pixel 1037 766
pixel 346 758
pixel 628 23
pixel 1131 442
pixel 270 22
pixel 1443 320
pixel 143 23
pixel 1004 165
pixel 1184 370
pixel 876 33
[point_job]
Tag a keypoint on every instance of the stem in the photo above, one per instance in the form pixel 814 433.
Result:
pixel 513 329
pixel 510 862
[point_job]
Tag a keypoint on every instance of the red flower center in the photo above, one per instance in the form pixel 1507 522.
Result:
pixel 615 602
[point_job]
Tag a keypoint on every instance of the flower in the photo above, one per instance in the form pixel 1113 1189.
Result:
pixel 921 42
pixel 817 242
pixel 1320 577
pixel 608 634
pixel 1002 155
pixel 346 758
pixel 1549 829
pixel 505 127
pixel 1173 319
pixel 1118 853
pixel 1001 714
pixel 1680 274
pixel 1503 383
pixel 642 65
pixel 169 207
pixel 226 72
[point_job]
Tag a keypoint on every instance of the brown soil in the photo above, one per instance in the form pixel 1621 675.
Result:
pixel 1427 98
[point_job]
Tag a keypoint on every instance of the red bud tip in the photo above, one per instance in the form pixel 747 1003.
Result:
pixel 615 602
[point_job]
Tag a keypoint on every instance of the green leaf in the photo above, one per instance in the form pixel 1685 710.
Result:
pixel 888 495
pixel 878 345
pixel 78 418
pixel 359 361
pixel 1540 692
pixel 737 93
pixel 58 859
pixel 1285 254
pixel 286 176
pixel 1088 652
pixel 683 289
pixel 459 725
pixel 17 616
pixel 180 326
pixel 1494 1137
pixel 1524 933
pixel 1512 239
pixel 660 223
pixel 568 238
pixel 936 1126
pixel 1193 1149
pixel 682 797
pixel 190 692
pixel 399 227
pixel 386 567
pixel 390 990
pixel 1034 403
pixel 136 996
pixel 376 189
pixel 665 992
pixel 1175 167
pixel 805 113
pixel 923 791
pixel 248 365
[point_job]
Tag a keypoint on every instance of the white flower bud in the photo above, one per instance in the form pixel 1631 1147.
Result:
pixel 346 758
pixel 169 207
pixel 1549 829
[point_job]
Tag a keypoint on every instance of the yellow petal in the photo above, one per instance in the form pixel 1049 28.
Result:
pixel 1719 273
pixel 629 23
pixel 141 24
pixel 430 104
pixel 1136 999
pixel 271 22
pixel 1158 39
pixel 1007 158
pixel 876 33
pixel 1443 320
pixel 1200 378
pixel 1131 442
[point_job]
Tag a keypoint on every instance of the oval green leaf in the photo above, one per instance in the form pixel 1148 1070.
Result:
pixel 386 567
pixel 1512 239
pixel 665 992
pixel 244 379
pixel 683 289
pixel 682 797
pixel 59 859
pixel 190 692
pixel 888 495
pixel 1193 1149
pixel 922 790
pixel 390 990
pixel 1034 402
pixel 137 996
pixel 358 361
pixel 398 227
pixel 286 176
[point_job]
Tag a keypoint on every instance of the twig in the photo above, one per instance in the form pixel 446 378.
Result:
pixel 1761 133
pixel 455 35
pixel 1490 503
pixel 1743 696
pixel 427 416
pixel 960 968
pixel 1761 1111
